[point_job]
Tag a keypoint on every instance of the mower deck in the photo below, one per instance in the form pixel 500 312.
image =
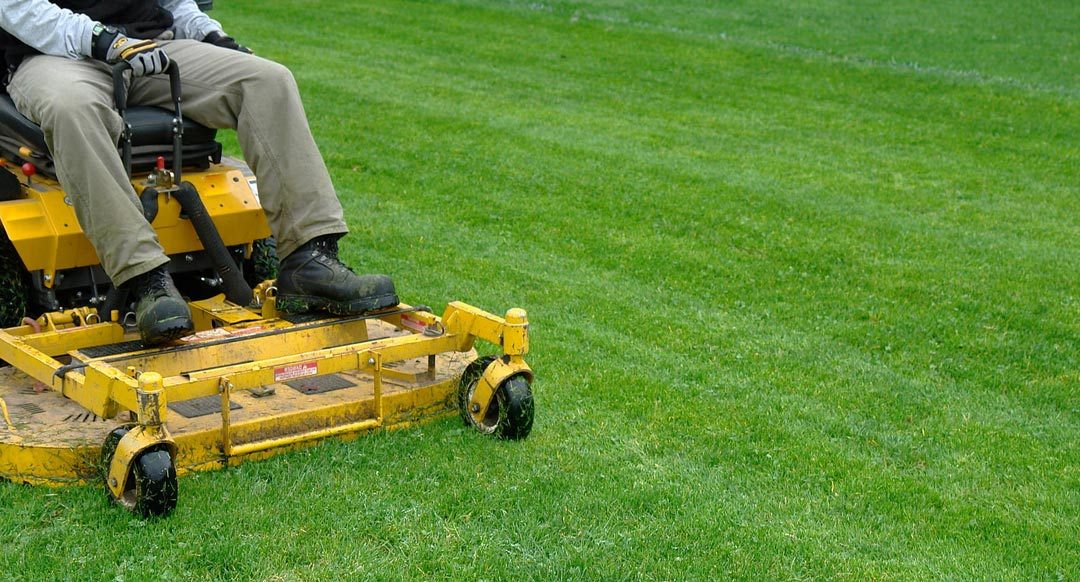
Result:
pixel 246 385
pixel 53 440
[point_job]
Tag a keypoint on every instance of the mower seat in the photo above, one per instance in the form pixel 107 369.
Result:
pixel 151 136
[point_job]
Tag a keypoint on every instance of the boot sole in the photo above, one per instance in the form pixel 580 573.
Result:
pixel 308 303
pixel 168 330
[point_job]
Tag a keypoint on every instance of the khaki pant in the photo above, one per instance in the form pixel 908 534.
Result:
pixel 72 101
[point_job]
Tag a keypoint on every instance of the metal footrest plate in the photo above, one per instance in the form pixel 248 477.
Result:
pixel 113 349
pixel 319 384
pixel 197 407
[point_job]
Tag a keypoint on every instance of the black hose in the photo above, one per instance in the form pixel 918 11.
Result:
pixel 236 288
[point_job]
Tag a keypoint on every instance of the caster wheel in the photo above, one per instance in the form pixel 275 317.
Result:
pixel 14 296
pixel 151 488
pixel 262 266
pixel 510 415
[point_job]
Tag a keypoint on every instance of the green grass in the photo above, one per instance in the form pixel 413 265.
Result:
pixel 802 283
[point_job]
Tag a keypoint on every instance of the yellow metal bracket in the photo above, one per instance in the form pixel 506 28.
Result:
pixel 496 373
pixel 511 333
pixel 216 312
pixel 60 320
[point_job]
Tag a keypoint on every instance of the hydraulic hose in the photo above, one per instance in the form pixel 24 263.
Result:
pixel 232 280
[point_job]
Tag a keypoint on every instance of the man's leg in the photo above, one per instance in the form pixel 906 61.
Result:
pixel 259 99
pixel 229 89
pixel 72 101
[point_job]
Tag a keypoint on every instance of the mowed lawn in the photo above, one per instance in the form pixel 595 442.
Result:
pixel 802 277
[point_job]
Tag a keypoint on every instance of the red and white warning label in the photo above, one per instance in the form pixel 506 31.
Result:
pixel 294 371
pixel 220 333
pixel 412 323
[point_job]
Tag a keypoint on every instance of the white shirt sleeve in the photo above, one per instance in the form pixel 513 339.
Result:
pixel 188 20
pixel 47 27
pixel 61 32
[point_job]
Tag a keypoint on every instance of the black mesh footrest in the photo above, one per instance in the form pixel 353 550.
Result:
pixel 197 407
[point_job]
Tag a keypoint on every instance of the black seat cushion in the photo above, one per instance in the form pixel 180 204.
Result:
pixel 150 126
pixel 13 125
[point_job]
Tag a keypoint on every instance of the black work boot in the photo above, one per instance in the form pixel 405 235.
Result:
pixel 312 278
pixel 161 314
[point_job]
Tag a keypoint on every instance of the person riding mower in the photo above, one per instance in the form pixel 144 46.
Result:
pixel 115 374
pixel 59 56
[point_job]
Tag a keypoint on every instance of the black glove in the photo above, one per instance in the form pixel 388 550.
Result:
pixel 144 56
pixel 218 38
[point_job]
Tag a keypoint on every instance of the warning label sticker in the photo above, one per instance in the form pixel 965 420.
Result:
pixel 412 323
pixel 294 371
pixel 220 333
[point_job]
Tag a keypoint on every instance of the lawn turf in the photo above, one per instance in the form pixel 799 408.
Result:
pixel 802 283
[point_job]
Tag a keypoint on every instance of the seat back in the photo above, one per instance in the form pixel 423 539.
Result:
pixel 151 136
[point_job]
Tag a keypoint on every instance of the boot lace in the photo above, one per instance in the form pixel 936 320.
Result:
pixel 153 283
pixel 328 247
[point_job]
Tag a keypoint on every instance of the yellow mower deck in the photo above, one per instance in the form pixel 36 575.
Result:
pixel 247 384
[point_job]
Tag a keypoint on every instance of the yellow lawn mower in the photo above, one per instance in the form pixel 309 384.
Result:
pixel 81 398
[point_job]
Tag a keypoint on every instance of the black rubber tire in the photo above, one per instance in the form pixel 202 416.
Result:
pixel 510 415
pixel 155 489
pixel 263 263
pixel 14 293
pixel 516 408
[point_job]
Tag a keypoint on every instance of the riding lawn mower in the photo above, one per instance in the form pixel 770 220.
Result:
pixel 83 399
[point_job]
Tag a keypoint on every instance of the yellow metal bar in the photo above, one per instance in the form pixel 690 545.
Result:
pixel 61 335
pixel 249 375
pixel 152 400
pixel 248 448
pixel 245 344
pixel 226 423
pixel 231 450
pixel 56 343
pixel 33 362
pixel 7 419
pixel 468 322
pixel 22 330
pixel 102 389
pixel 376 362
pixel 515 333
